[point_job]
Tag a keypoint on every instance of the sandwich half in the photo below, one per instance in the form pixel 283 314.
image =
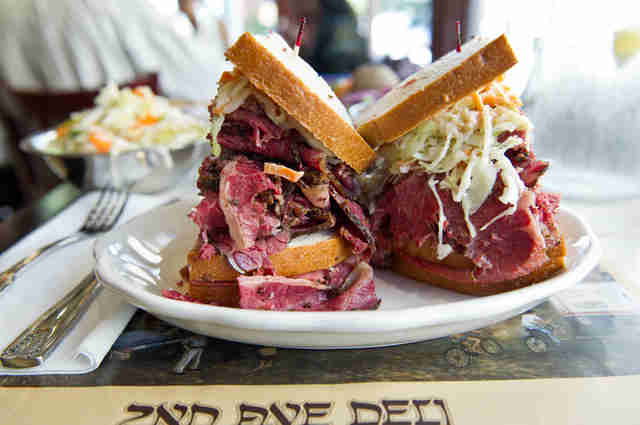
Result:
pixel 456 195
pixel 280 223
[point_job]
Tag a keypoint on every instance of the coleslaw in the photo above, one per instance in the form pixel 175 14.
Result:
pixel 461 143
pixel 124 120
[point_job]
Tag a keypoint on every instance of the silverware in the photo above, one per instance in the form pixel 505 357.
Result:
pixel 35 343
pixel 32 347
pixel 101 218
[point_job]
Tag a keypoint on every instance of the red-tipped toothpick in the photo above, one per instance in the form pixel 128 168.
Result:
pixel 459 43
pixel 296 49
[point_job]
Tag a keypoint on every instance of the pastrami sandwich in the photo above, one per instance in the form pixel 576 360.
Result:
pixel 460 205
pixel 280 223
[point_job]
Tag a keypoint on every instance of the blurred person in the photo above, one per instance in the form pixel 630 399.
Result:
pixel 67 46
pixel 84 44
pixel 331 42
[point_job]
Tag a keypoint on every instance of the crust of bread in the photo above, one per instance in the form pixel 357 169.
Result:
pixel 208 280
pixel 216 268
pixel 309 258
pixel 269 75
pixel 225 294
pixel 479 69
pixel 556 263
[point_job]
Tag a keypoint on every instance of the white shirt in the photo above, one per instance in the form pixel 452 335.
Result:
pixel 76 44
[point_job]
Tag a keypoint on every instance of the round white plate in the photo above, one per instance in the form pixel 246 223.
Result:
pixel 142 257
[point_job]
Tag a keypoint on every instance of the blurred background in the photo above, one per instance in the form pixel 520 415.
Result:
pixel 578 71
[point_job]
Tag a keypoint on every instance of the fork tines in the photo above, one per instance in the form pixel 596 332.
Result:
pixel 106 211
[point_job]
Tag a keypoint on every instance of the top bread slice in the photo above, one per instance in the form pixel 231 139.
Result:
pixel 274 68
pixel 444 82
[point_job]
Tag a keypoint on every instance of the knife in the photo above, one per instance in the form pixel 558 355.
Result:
pixel 32 347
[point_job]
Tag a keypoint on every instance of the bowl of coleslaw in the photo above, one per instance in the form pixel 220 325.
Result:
pixel 131 138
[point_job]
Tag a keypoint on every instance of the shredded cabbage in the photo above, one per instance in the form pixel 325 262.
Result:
pixel 216 125
pixel 127 120
pixel 461 143
pixel 443 249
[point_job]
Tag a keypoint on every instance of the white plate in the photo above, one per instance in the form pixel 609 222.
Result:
pixel 142 257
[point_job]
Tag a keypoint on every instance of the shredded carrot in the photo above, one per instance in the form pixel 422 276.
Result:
pixel 63 130
pixel 102 144
pixel 138 92
pixel 228 76
pixel 477 100
pixel 492 100
pixel 282 171
pixel 147 119
pixel 513 99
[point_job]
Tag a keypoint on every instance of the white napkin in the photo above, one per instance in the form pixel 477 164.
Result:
pixel 44 282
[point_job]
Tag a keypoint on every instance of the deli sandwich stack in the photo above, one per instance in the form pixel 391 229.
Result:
pixel 280 223
pixel 457 197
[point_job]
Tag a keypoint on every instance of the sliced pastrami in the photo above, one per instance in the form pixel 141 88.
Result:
pixel 509 247
pixel 241 180
pixel 359 292
pixel 281 293
pixel 358 225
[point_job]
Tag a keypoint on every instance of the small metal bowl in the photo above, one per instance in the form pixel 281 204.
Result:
pixel 146 170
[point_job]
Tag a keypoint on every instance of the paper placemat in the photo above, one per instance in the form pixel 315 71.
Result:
pixel 524 402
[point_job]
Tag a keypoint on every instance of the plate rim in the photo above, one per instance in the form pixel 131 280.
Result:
pixel 351 321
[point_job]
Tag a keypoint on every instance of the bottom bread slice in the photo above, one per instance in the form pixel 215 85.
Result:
pixel 214 280
pixel 404 265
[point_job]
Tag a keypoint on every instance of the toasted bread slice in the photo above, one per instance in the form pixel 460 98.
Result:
pixel 449 79
pixel 404 265
pixel 208 280
pixel 273 67
pixel 224 294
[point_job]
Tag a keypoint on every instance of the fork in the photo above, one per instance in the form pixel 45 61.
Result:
pixel 102 217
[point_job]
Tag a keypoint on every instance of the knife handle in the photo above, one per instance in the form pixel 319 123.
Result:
pixel 35 343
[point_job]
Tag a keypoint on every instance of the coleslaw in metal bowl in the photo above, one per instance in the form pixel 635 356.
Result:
pixel 126 119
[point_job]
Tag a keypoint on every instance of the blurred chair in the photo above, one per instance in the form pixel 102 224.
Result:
pixel 37 110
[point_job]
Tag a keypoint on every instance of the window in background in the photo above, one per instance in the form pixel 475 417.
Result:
pixel 395 30
pixel 401 29
pixel 262 16
pixel 584 98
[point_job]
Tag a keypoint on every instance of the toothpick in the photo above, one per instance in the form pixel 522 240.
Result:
pixel 459 44
pixel 296 49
